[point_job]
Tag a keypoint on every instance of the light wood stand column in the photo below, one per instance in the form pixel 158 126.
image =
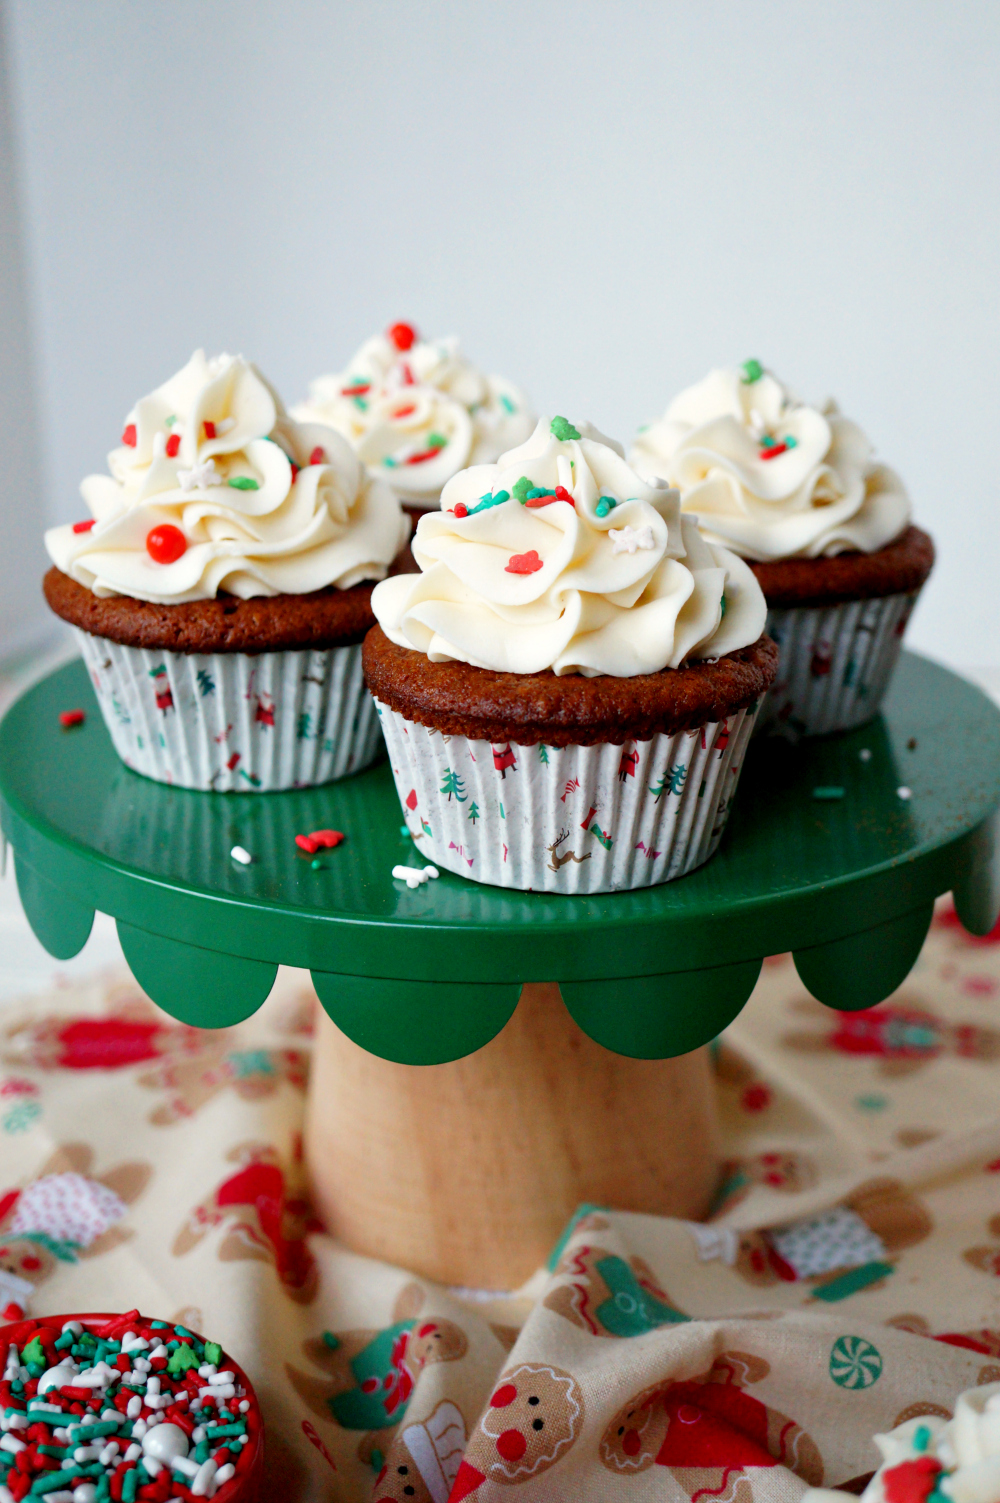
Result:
pixel 467 1172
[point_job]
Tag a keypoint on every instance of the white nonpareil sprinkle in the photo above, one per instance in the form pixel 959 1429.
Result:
pixel 240 855
pixel 627 539
pixel 865 754
pixel 904 793
pixel 413 876
pixel 200 476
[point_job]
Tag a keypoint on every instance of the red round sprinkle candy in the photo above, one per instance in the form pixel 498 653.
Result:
pixel 461 510
pixel 66 719
pixel 165 544
pixel 318 455
pixel 84 526
pixel 511 1445
pixel 173 445
pixel 562 494
pixel 524 563
pixel 403 336
pixel 209 429
pixel 130 437
pixel 505 1394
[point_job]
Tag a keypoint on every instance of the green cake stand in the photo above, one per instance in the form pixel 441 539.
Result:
pixel 466 1170
pixel 836 850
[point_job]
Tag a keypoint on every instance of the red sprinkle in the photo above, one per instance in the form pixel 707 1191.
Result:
pixel 84 526
pixel 173 445
pixel 165 544
pixel 71 717
pixel 562 494
pixel 319 840
pixel 318 455
pixel 403 336
pixel 356 391
pixel 408 377
pixel 130 437
pixel 209 429
pixel 402 412
pixel 419 458
pixel 524 563
pixel 461 510
pixel 774 451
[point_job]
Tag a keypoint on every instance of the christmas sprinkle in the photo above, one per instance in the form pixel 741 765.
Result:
pixel 242 856
pixel 904 793
pixel 318 455
pixel 521 489
pixel 84 526
pixel 243 483
pixel 173 445
pixel 403 336
pixel 125 1411
pixel 828 794
pixel 199 476
pixel 414 876
pixel 166 544
pixel 752 371
pixel 319 840
pixel 68 718
pixel 605 505
pixel 865 754
pixel 524 563
pixel 628 539
pixel 563 429
pixel 129 437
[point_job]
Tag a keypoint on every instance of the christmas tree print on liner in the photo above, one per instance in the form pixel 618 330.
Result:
pixel 66 1213
pixel 607 1296
pixel 370 1376
pixel 422 1462
pixel 902 1036
pixel 710 1433
pixel 266 1222
pixel 531 1421
pixel 854 1246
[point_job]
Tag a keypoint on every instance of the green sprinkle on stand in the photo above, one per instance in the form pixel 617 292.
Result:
pixel 828 793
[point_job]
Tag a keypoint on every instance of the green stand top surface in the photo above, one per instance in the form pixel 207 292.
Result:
pixel 430 974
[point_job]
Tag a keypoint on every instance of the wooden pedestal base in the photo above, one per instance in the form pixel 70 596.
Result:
pixel 468 1172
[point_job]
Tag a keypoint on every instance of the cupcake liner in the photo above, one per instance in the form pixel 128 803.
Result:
pixel 835 663
pixel 574 819
pixel 232 722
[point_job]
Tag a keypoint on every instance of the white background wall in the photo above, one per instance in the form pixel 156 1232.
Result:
pixel 604 199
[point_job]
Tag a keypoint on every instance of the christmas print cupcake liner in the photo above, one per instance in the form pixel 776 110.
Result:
pixel 574 819
pixel 232 722
pixel 835 663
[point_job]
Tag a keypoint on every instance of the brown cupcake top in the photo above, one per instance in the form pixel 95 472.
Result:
pixel 326 618
pixel 899 568
pixel 529 708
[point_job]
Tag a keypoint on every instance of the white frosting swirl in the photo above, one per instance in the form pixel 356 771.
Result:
pixel 616 582
pixel 264 505
pixel 418 414
pixel 769 476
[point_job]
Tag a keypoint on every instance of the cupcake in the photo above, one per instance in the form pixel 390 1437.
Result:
pixel 568 686
pixel 221 588
pixel 953 1461
pixel 795 491
pixel 417 411
pixel 106 1406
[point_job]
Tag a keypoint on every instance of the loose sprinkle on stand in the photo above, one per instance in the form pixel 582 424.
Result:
pixel 85 526
pixel 242 856
pixel 904 793
pixel 828 794
pixel 319 840
pixel 69 718
pixel 414 876
pixel 865 754
pixel 524 563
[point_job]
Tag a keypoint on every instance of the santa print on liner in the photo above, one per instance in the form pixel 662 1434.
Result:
pixel 711 1434
pixel 533 1418
pixel 371 1375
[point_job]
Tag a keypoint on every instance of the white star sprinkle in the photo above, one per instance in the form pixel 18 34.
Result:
pixel 199 477
pixel 627 539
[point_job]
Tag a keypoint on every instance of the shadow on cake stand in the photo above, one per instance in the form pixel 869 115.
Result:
pixel 561 1038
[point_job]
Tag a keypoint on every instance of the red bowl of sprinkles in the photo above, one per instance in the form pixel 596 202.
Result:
pixel 123 1409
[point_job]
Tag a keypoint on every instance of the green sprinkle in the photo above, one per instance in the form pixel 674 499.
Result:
pixel 170 421
pixel 501 497
pixel 213 1432
pixel 329 1339
pixel 790 442
pixel 213 1353
pixel 57 1451
pixel 507 404
pixel 563 429
pixel 521 489
pixel 723 607
pixel 752 371
pixel 200 1453
pixel 828 794
pixel 32 1352
pixel 404 832
pixel 362 403
pixel 436 441
pixel 317 865
pixel 767 442
pixel 389 461
pixel 130 1484
pixel 538 491
pixel 80 1433
pixel 605 504
pixel 181 1360
pixel 66 1339
pixel 921 1438
pixel 35 1369
pixel 157 1325
pixel 243 483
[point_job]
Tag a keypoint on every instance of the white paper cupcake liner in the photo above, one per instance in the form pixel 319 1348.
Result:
pixel 835 663
pixel 232 722
pixel 575 819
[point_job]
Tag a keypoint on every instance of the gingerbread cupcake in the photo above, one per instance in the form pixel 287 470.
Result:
pixel 568 686
pixel 795 491
pixel 417 411
pixel 118 1406
pixel 222 586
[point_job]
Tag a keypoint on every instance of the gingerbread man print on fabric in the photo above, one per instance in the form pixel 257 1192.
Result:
pixel 711 1434
pixel 66 1213
pixel 268 1220
pixel 532 1419
pixel 903 1037
pixel 370 1376
pixel 853 1246
pixel 423 1461
pixel 607 1296
pixel 192 1082
pixel 784 1170
pixel 986 1257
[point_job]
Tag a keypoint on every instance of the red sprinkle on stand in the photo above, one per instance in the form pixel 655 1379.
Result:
pixel 319 840
pixel 773 451
pixel 403 336
pixel 165 544
pixel 71 717
pixel 130 437
pixel 209 429
pixel 84 526
pixel 461 510
pixel 318 455
pixel 173 446
pixel 524 563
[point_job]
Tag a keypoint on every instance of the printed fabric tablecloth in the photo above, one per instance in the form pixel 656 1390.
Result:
pixel 849 1276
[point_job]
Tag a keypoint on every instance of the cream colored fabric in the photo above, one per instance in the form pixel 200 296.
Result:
pixel 730 1362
